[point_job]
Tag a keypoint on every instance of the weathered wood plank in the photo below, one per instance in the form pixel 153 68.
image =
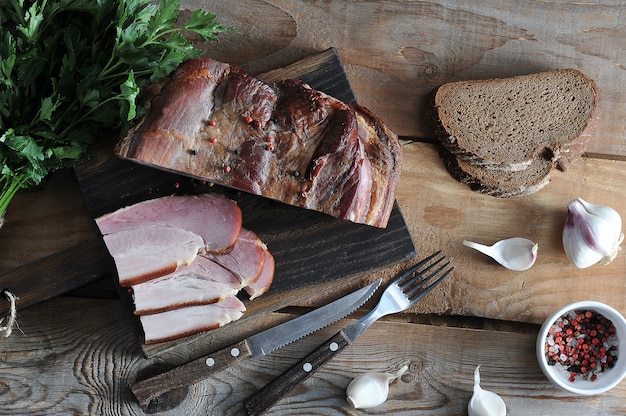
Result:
pixel 78 356
pixel 396 51
pixel 441 213
pixel 44 221
pixel 51 276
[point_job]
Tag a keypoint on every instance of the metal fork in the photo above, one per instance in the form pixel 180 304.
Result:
pixel 402 293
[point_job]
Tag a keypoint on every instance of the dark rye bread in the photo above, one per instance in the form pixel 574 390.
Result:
pixel 498 183
pixel 505 124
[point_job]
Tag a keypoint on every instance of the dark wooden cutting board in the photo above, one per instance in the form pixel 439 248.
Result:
pixel 309 247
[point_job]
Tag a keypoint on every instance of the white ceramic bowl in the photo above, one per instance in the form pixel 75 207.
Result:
pixel 607 379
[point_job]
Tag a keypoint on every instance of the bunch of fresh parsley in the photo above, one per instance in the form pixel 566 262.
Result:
pixel 72 69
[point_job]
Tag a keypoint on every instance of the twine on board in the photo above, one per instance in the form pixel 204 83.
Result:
pixel 6 330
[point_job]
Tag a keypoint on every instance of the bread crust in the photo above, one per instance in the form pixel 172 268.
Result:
pixel 560 154
pixel 504 178
pixel 508 185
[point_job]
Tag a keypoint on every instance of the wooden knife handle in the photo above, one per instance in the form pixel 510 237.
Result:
pixel 262 400
pixel 189 373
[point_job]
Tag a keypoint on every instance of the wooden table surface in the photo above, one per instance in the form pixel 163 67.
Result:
pixel 77 354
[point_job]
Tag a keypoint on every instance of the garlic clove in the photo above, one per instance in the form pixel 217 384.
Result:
pixel 484 402
pixel 602 211
pixel 516 254
pixel 371 389
pixel 592 233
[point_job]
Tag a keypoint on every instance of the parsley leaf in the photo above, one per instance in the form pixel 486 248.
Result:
pixel 72 69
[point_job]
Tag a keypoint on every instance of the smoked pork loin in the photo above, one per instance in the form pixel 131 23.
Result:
pixel 284 141
pixel 185 259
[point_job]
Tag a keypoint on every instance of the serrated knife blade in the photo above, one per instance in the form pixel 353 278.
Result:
pixel 255 346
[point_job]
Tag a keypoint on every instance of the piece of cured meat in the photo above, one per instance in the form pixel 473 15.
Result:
pixel 263 283
pixel 159 248
pixel 212 216
pixel 284 141
pixel 182 322
pixel 141 254
pixel 200 283
pixel 379 144
pixel 246 258
pixel 342 172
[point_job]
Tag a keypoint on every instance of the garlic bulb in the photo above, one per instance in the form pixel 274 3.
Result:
pixel 513 253
pixel 483 402
pixel 592 233
pixel 371 389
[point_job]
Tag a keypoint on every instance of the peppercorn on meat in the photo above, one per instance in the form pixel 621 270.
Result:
pixel 284 141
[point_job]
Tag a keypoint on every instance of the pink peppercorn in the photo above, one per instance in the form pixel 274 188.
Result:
pixel 580 344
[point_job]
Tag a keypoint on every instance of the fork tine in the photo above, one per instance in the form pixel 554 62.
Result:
pixel 412 280
pixel 423 291
pixel 417 266
pixel 420 278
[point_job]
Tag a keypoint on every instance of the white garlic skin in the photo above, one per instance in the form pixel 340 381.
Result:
pixel 371 389
pixel 483 402
pixel 592 233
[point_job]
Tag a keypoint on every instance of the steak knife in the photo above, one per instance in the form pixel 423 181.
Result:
pixel 252 347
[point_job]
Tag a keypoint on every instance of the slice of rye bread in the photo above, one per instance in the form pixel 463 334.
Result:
pixel 498 183
pixel 505 124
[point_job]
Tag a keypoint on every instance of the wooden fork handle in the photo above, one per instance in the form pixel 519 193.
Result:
pixel 262 400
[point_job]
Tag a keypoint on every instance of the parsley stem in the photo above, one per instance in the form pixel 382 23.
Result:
pixel 10 186
pixel 87 115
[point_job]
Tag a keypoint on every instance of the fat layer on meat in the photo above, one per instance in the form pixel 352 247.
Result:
pixel 141 254
pixel 181 322
pixel 285 141
pixel 202 282
pixel 212 216
pixel 158 251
